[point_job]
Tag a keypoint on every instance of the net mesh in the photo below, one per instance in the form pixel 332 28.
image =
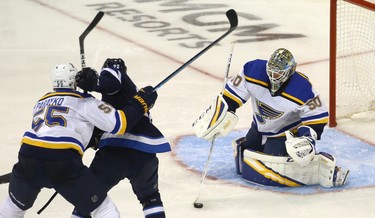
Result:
pixel 355 62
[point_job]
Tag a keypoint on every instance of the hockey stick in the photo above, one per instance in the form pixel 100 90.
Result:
pixel 47 203
pixel 196 203
pixel 82 37
pixel 233 20
pixel 5 178
pixel 228 66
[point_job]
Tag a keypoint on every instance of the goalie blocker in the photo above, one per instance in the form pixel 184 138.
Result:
pixel 216 120
pixel 262 169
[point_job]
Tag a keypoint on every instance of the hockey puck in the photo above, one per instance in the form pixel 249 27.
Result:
pixel 198 205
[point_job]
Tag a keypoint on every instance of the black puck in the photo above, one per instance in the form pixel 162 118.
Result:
pixel 198 205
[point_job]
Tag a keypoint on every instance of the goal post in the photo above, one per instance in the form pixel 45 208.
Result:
pixel 352 58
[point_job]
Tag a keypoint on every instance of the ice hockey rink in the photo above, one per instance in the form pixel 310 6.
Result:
pixel 156 37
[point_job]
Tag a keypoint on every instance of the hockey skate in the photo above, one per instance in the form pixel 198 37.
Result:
pixel 340 176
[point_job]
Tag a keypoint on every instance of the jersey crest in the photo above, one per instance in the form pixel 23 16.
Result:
pixel 266 112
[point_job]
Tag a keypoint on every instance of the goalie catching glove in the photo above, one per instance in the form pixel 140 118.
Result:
pixel 301 149
pixel 216 120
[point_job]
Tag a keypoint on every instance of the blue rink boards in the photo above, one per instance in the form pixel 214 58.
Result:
pixel 350 153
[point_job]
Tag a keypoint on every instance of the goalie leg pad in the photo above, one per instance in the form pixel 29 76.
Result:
pixel 270 170
pixel 331 175
pixel 284 172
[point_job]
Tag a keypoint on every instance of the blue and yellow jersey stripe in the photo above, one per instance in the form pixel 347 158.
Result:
pixel 316 119
pixel 234 97
pixel 121 123
pixel 50 142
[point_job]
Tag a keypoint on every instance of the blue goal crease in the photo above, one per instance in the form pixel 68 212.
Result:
pixel 350 153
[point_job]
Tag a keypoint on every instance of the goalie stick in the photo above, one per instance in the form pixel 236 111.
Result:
pixel 196 203
pixel 81 39
pixel 233 20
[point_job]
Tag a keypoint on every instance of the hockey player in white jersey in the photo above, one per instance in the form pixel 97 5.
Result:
pixel 288 117
pixel 51 151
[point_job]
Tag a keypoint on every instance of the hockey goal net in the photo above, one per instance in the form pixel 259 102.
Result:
pixel 352 59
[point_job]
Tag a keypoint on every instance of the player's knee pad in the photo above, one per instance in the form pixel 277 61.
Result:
pixel 106 209
pixel 238 154
pixel 10 210
pixel 153 206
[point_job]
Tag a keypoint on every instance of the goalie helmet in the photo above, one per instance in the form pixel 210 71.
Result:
pixel 280 67
pixel 63 76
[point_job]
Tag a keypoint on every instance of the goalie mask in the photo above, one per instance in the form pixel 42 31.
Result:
pixel 280 67
pixel 63 76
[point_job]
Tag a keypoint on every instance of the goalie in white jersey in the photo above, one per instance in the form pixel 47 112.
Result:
pixel 288 117
pixel 51 152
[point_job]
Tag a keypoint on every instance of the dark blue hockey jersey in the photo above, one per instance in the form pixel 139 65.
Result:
pixel 118 89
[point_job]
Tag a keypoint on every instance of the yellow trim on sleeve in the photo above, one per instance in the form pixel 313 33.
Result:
pixel 234 98
pixel 124 122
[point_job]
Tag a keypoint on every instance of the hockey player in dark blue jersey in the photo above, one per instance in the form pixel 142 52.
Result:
pixel 133 154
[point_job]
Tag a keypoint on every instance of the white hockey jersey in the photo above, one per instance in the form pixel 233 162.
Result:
pixel 65 119
pixel 296 104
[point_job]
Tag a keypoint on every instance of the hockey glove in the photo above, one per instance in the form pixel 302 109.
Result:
pixel 301 149
pixel 145 98
pixel 87 79
pixel 116 64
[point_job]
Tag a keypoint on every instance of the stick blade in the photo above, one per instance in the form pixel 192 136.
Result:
pixel 93 23
pixel 233 18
